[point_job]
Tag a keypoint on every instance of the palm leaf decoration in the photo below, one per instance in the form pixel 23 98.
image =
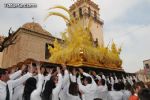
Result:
pixel 77 37
pixel 60 15
pixel 70 20
pixel 63 8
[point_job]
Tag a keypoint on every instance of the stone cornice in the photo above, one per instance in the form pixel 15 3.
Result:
pixel 98 20
pixel 79 2
pixel 49 37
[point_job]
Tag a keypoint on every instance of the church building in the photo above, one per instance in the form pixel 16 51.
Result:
pixel 32 40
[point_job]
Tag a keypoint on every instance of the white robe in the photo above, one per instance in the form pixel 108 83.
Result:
pixel 64 87
pixel 46 78
pixel 71 97
pixel 2 90
pixel 12 84
pixel 98 77
pixel 3 84
pixel 56 90
pixel 35 95
pixel 115 95
pixel 88 90
pixel 101 92
pixel 15 75
pixel 18 92
pixel 126 94
pixel 73 78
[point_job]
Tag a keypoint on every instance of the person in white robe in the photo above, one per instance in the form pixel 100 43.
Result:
pixel 18 91
pixel 127 91
pixel 53 87
pixel 13 83
pixel 36 94
pixel 73 92
pixel 116 94
pixel 101 90
pixel 89 87
pixel 63 91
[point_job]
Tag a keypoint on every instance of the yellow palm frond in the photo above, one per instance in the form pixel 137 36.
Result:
pixel 61 7
pixel 58 14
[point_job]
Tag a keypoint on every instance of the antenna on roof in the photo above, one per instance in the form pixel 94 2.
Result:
pixel 33 19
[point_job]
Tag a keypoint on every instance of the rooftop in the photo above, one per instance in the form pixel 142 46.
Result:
pixel 79 2
pixel 35 27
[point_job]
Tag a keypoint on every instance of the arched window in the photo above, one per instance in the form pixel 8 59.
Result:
pixel 47 53
pixel 74 14
pixel 89 11
pixel 80 12
pixel 95 15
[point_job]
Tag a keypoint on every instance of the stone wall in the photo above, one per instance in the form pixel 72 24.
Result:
pixel 97 24
pixel 29 44
pixel 1 56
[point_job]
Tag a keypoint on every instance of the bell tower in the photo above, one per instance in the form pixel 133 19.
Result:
pixel 86 9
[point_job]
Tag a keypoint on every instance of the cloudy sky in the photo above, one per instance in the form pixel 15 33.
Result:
pixel 127 22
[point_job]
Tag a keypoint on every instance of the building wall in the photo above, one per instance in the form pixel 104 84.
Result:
pixel 10 54
pixel 97 32
pixel 1 56
pixel 96 28
pixel 34 48
pixel 85 7
pixel 28 45
pixel 1 53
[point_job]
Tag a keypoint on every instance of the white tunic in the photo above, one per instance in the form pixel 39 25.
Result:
pixel 71 97
pixel 115 95
pixel 14 83
pixel 11 85
pixel 88 90
pixel 35 95
pixel 46 78
pixel 2 90
pixel 101 92
pixel 64 87
pixel 126 94
pixel 73 78
pixel 3 84
pixel 15 75
pixel 18 92
pixel 56 91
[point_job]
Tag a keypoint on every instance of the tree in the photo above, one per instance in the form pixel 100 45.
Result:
pixel 10 40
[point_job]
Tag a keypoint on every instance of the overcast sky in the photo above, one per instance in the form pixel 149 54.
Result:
pixel 127 22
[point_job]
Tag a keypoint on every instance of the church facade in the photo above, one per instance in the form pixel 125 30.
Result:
pixel 1 53
pixel 32 42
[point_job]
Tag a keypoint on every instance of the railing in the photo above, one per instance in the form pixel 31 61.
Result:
pixel 85 12
pixel 97 17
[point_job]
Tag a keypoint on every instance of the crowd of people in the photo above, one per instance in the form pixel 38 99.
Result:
pixel 36 82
